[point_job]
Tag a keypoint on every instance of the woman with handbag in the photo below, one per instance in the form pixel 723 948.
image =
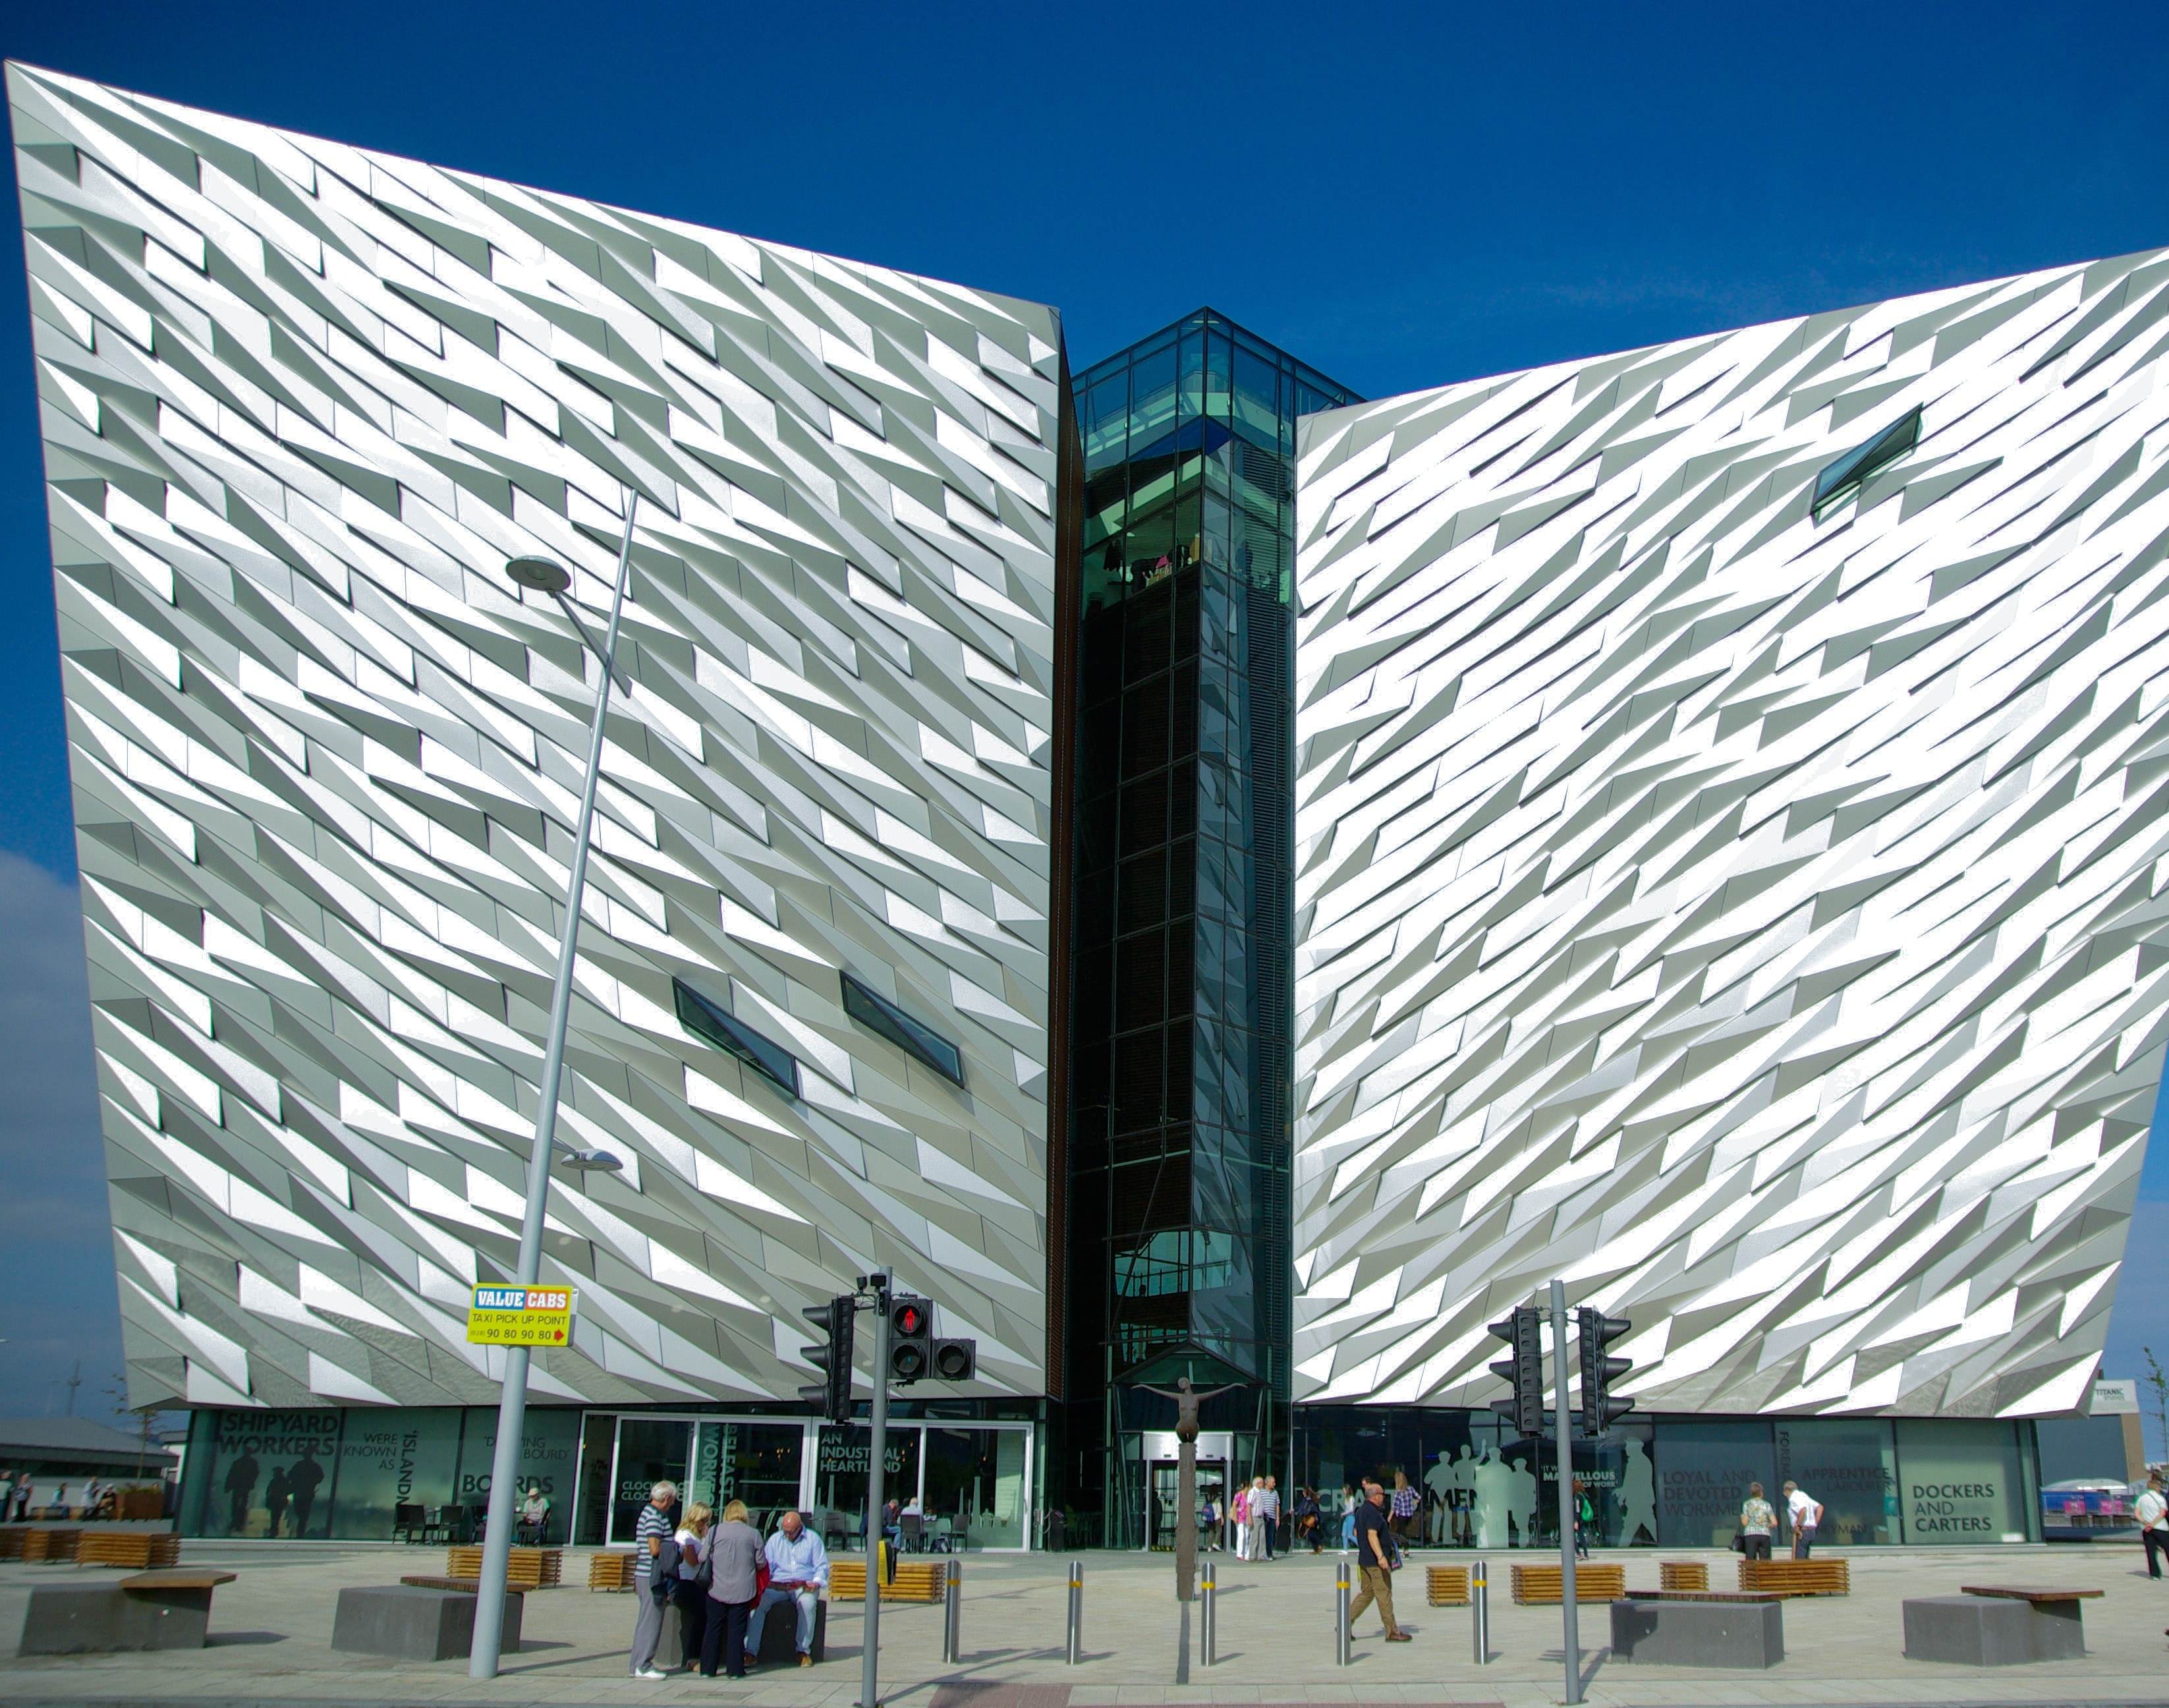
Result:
pixel 694 1573
pixel 734 1560
pixel 1757 1520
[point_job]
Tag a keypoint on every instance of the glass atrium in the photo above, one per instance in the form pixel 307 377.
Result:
pixel 1179 1219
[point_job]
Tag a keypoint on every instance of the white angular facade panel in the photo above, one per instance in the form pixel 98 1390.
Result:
pixel 300 403
pixel 1755 916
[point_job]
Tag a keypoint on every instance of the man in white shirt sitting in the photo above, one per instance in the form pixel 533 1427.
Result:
pixel 798 1572
pixel 1805 1512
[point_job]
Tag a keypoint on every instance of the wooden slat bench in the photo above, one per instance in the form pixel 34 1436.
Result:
pixel 1703 1595
pixel 143 1550
pixel 526 1568
pixel 1447 1586
pixel 916 1580
pixel 611 1571
pixel 1682 1574
pixel 1540 1586
pixel 1797 1577
pixel 11 1541
pixel 44 1544
pixel 2036 1596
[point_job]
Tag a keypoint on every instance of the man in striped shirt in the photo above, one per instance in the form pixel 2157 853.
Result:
pixel 654 1529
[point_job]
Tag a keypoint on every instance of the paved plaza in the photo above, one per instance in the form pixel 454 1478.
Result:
pixel 271 1641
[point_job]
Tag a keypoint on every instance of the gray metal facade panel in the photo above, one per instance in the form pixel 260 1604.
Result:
pixel 301 400
pixel 1754 918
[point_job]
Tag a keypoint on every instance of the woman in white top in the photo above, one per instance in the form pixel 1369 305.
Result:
pixel 691 1597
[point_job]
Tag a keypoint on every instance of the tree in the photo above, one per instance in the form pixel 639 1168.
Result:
pixel 2157 1382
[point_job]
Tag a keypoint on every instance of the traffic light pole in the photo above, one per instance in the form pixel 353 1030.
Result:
pixel 868 1686
pixel 1567 1604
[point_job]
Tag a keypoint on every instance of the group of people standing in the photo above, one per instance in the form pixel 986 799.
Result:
pixel 723 1578
pixel 1758 1521
pixel 1253 1518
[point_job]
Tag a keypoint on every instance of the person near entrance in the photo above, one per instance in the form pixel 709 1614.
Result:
pixel 798 1573
pixel 648 1540
pixel 1269 1503
pixel 1376 1556
pixel 1806 1513
pixel 2152 1509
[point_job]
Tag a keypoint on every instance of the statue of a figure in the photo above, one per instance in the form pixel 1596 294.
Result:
pixel 1185 1399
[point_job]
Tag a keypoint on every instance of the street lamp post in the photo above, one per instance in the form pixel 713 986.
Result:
pixel 543 576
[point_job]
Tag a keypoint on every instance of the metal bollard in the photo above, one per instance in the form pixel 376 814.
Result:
pixel 1480 1609
pixel 1343 1638
pixel 1076 1611
pixel 1209 1632
pixel 952 1612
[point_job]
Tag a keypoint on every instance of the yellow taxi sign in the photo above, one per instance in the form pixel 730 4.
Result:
pixel 520 1317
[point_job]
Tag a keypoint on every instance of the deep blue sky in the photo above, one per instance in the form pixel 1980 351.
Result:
pixel 1399 195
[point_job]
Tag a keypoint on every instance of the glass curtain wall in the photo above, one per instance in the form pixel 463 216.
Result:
pixel 1679 1481
pixel 365 1473
pixel 1181 1020
pixel 969 1482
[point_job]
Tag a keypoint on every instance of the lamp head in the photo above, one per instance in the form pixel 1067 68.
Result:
pixel 584 1162
pixel 540 573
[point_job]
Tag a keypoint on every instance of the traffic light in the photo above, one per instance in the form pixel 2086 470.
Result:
pixel 1596 1330
pixel 1524 1331
pixel 955 1360
pixel 835 1319
pixel 910 1337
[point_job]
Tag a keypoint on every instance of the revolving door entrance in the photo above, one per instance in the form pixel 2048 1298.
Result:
pixel 1162 1455
pixel 1163 1486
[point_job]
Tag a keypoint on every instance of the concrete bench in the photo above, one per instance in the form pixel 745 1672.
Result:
pixel 150 1610
pixel 410 1622
pixel 1689 1629
pixel 778 1636
pixel 1996 1630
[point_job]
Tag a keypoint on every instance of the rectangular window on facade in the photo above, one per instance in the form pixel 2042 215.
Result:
pixel 1703 1467
pixel 1848 1464
pixel 392 1459
pixel 764 1055
pixel 1960 1481
pixel 877 1013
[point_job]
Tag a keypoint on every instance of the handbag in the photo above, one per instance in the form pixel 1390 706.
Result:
pixel 1739 1541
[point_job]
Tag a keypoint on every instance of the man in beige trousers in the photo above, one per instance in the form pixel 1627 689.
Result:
pixel 1375 1556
